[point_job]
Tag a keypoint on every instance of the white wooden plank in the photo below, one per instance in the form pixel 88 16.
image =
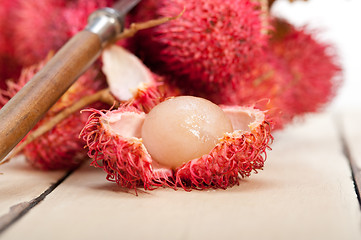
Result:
pixel 350 129
pixel 19 185
pixel 305 192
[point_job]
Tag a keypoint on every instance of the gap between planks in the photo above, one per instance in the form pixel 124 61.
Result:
pixel 343 126
pixel 19 210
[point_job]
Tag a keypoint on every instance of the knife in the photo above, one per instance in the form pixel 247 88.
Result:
pixel 30 104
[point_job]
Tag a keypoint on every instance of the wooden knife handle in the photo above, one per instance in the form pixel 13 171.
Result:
pixel 29 105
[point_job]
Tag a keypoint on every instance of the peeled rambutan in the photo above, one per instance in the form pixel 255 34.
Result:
pixel 316 75
pixel 115 142
pixel 59 148
pixel 44 26
pixel 130 82
pixel 211 42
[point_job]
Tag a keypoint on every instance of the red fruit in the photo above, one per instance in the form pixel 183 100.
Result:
pixel 12 87
pixel 237 155
pixel 296 73
pixel 114 139
pixel 7 9
pixel 59 148
pixel 77 12
pixel 313 66
pixel 211 42
pixel 46 25
pixel 9 67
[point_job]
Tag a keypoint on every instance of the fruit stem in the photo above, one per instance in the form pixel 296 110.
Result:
pixel 265 7
pixel 270 3
pixel 102 95
pixel 135 27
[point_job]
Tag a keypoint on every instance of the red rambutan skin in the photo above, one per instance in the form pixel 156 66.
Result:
pixel 59 148
pixel 7 9
pixel 9 67
pixel 211 42
pixel 127 162
pixel 237 154
pixel 149 96
pixel 46 25
pixel 296 73
pixel 262 85
pixel 316 75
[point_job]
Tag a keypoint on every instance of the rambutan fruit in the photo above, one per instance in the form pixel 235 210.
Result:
pixel 261 85
pixel 59 148
pixel 266 84
pixel 211 42
pixel 285 73
pixel 9 67
pixel 316 75
pixel 44 26
pixel 233 143
pixel 7 9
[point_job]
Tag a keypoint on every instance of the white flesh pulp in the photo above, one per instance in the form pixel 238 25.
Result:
pixel 183 128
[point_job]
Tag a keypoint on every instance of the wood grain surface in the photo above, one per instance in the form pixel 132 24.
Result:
pixel 306 191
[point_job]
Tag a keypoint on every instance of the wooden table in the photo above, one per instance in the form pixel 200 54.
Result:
pixel 306 191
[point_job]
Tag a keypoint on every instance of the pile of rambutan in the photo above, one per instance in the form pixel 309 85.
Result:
pixel 234 52
pixel 191 104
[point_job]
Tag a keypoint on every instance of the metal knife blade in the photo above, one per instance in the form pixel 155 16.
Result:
pixel 123 7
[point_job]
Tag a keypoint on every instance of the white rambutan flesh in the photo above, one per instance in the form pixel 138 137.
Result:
pixel 183 128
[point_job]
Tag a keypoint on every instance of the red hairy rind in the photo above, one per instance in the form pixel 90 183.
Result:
pixel 127 162
pixel 9 66
pixel 52 23
pixel 146 98
pixel 316 75
pixel 149 96
pixel 296 73
pixel 13 87
pixel 59 148
pixel 264 85
pixel 237 154
pixel 211 42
